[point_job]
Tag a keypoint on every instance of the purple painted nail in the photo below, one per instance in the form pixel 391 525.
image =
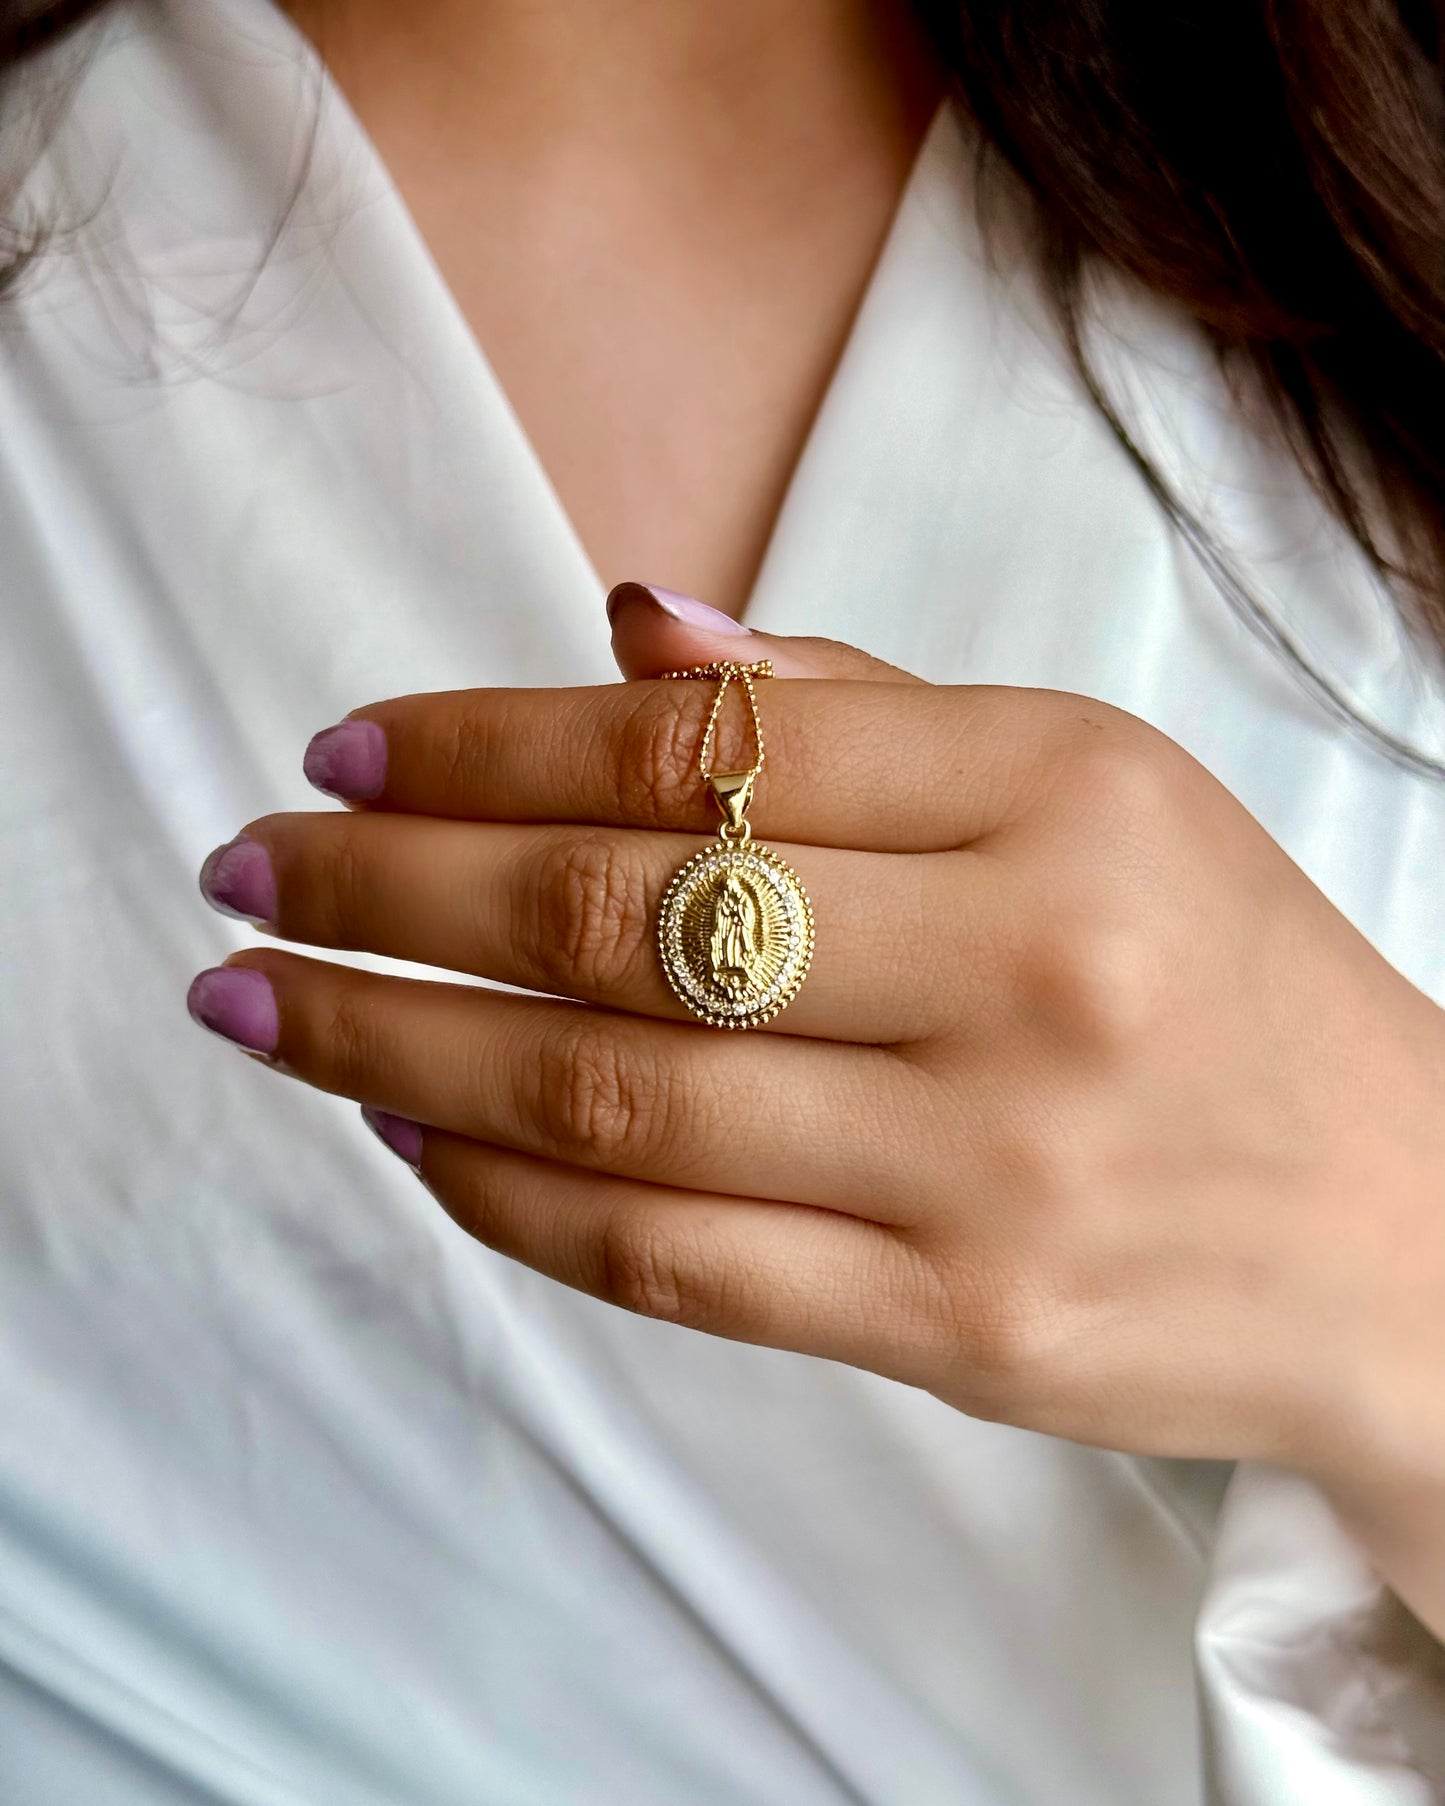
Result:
pixel 400 1133
pixel 237 1002
pixel 237 879
pixel 347 761
pixel 686 609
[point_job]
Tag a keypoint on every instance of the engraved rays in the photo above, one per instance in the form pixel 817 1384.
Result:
pixel 735 931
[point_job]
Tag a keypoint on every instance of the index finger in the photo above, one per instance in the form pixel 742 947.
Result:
pixel 875 766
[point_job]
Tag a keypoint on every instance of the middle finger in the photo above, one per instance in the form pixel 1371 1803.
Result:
pixel 572 911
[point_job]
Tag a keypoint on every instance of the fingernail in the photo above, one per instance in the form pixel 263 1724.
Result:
pixel 400 1133
pixel 686 609
pixel 238 1003
pixel 237 879
pixel 347 761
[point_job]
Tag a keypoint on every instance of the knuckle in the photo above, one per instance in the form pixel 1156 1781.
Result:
pixel 456 750
pixel 347 1044
pixel 595 1104
pixel 1121 775
pixel 1099 965
pixel 1101 982
pixel 478 1198
pixel 656 751
pixel 644 1270
pixel 1011 1345
pixel 591 919
pixel 340 889
pixel 1003 1335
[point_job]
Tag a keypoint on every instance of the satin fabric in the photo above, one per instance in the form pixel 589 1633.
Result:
pixel 306 1499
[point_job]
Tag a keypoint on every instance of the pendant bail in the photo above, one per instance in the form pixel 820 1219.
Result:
pixel 734 792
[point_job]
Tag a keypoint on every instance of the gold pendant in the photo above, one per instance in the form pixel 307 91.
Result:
pixel 736 934
pixel 735 927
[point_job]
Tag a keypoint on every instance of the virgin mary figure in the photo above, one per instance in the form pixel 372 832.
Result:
pixel 733 948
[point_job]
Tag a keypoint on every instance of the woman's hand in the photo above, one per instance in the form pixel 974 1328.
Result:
pixel 1093 1115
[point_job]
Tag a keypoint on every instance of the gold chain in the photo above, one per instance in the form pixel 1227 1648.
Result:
pixel 728 671
pixel 735 926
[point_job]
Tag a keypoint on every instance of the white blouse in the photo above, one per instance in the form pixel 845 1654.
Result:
pixel 305 1498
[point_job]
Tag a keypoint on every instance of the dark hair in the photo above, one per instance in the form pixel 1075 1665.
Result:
pixel 26 29
pixel 1277 167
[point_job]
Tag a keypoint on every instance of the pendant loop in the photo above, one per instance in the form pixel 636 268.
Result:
pixel 733 792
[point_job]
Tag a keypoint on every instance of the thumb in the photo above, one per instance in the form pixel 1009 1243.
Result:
pixel 656 630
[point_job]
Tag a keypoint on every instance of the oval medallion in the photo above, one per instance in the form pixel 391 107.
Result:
pixel 736 934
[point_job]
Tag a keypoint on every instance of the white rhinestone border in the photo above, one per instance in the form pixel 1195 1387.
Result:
pixel 797 907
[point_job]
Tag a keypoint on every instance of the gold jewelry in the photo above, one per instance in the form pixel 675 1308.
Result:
pixel 735 928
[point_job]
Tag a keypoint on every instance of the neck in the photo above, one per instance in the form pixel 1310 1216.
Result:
pixel 658 217
pixel 519 75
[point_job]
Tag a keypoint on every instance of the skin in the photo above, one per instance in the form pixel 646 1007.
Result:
pixel 1153 1154
pixel 658 218
pixel 1093 1116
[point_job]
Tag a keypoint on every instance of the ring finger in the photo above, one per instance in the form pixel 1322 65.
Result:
pixel 789 1119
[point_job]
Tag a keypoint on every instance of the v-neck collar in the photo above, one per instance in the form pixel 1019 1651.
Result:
pixel 938 157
